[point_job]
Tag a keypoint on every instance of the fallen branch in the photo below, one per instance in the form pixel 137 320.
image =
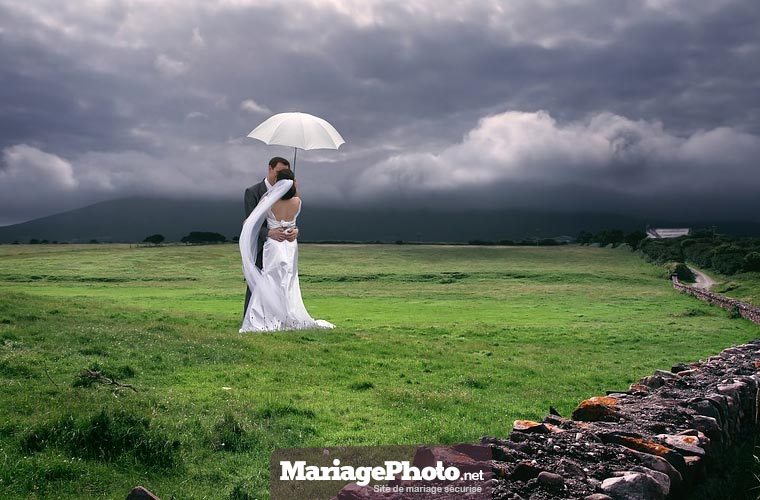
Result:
pixel 88 376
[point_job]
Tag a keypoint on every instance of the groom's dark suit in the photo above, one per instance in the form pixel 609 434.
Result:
pixel 252 196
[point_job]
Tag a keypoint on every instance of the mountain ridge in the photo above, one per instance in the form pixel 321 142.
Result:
pixel 134 218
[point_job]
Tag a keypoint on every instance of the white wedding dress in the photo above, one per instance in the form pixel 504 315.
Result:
pixel 276 302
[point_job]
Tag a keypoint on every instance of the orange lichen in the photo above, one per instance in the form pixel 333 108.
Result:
pixel 639 444
pixel 596 408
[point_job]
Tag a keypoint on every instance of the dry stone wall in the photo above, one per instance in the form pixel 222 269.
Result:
pixel 683 433
pixel 747 311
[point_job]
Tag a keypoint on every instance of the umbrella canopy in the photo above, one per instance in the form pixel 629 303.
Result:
pixel 299 130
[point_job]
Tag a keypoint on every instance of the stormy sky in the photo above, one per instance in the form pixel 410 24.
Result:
pixel 631 107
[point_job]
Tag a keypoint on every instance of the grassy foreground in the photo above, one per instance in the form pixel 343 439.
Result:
pixel 433 345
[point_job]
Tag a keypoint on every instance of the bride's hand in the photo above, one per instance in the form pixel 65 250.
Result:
pixel 277 234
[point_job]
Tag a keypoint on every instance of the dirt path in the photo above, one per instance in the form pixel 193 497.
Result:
pixel 703 281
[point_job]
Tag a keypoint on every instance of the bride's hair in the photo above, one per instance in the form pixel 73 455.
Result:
pixel 287 174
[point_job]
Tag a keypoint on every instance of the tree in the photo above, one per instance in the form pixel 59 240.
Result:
pixel 662 250
pixel 633 239
pixel 727 259
pixel 156 239
pixel 584 238
pixel 752 261
pixel 196 237
pixel 609 236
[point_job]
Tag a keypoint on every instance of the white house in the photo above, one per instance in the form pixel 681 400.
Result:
pixel 667 232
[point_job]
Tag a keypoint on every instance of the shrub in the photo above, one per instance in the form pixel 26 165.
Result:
pixel 752 261
pixel 681 270
pixel 156 239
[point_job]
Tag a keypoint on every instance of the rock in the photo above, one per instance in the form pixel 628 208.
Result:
pixel 733 390
pixel 530 427
pixel 525 471
pixel 705 407
pixel 140 493
pixel 477 452
pixel 633 486
pixel 598 496
pixel 461 458
pixel 662 479
pixel 708 425
pixel 550 481
pixel 638 443
pixel 571 468
pixel 638 387
pixel 665 374
pixel 661 465
pixel 686 445
pixel 652 382
pixel 596 408
pixel 679 367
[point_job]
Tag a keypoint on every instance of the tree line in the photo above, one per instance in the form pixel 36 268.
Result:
pixel 722 253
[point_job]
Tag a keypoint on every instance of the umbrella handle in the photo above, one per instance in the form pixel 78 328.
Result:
pixel 295 153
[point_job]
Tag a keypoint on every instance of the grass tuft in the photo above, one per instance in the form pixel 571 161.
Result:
pixel 106 437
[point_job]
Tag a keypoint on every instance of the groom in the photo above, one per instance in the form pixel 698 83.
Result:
pixel 252 197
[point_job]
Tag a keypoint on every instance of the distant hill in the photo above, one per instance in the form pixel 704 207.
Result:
pixel 132 219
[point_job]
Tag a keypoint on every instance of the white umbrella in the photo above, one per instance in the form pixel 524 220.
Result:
pixel 300 130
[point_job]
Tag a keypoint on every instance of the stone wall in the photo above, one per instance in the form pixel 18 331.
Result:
pixel 683 433
pixel 746 311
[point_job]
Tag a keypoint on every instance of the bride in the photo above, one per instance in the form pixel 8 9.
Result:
pixel 276 302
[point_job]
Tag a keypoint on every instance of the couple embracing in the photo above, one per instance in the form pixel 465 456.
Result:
pixel 269 248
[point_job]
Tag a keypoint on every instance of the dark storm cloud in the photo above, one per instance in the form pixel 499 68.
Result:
pixel 106 99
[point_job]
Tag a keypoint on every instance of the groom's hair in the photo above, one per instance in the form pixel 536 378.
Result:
pixel 277 159
pixel 287 174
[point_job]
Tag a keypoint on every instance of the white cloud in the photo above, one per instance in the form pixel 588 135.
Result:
pixel 605 151
pixel 169 67
pixel 254 107
pixel 26 166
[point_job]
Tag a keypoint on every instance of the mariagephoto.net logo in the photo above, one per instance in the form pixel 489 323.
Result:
pixel 399 472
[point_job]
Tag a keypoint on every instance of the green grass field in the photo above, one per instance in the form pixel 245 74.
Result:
pixel 434 345
pixel 741 286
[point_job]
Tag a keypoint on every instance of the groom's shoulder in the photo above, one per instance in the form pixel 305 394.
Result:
pixel 256 187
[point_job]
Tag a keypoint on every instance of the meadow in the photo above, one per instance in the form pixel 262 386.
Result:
pixel 434 344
